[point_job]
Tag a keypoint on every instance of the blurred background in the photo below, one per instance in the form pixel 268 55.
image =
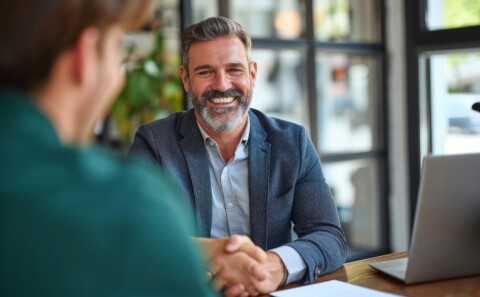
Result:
pixel 377 83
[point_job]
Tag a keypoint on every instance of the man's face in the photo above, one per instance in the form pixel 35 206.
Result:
pixel 220 82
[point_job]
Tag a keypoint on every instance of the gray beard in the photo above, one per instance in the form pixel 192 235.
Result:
pixel 224 124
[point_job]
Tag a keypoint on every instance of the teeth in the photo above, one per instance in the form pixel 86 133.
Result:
pixel 222 100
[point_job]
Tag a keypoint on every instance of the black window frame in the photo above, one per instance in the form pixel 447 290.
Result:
pixel 420 43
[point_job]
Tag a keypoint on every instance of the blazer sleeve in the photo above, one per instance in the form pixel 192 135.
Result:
pixel 321 240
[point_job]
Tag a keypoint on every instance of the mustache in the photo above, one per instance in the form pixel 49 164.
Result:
pixel 218 94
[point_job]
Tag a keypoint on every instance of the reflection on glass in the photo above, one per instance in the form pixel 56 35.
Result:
pixel 448 14
pixel 270 18
pixel 347 90
pixel 455 87
pixel 202 9
pixel 280 86
pixel 355 187
pixel 347 20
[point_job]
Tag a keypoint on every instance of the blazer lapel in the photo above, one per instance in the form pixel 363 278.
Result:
pixel 196 158
pixel 258 174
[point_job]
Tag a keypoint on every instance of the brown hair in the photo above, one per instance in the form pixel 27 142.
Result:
pixel 212 28
pixel 34 33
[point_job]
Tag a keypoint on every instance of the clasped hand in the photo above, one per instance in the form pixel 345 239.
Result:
pixel 240 268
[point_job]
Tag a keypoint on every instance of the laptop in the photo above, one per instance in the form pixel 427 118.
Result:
pixel 446 233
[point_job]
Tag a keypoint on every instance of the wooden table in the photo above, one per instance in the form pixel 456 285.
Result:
pixel 361 274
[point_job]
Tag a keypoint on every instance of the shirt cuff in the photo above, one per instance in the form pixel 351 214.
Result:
pixel 296 267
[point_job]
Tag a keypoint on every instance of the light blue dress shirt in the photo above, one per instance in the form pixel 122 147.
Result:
pixel 230 200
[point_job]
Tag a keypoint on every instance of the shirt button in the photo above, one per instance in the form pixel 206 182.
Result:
pixel 317 271
pixel 212 143
pixel 230 205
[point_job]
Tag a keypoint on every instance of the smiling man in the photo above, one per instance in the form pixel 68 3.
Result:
pixel 242 171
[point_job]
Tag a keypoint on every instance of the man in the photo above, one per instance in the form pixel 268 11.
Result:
pixel 76 221
pixel 243 172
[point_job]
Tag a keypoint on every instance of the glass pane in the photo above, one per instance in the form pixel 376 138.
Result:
pixel 202 9
pixel 270 18
pixel 280 89
pixel 447 14
pixel 349 105
pixel 355 186
pixel 455 87
pixel 347 20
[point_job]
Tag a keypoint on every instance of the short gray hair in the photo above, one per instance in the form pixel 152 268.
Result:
pixel 210 29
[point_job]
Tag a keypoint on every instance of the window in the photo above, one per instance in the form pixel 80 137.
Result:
pixel 201 9
pixel 348 92
pixel 321 64
pixel 443 80
pixel 347 21
pixel 355 187
pixel 270 18
pixel 280 86
pixel 455 87
pixel 448 14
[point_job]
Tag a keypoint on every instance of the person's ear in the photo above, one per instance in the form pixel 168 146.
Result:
pixel 253 72
pixel 184 75
pixel 85 57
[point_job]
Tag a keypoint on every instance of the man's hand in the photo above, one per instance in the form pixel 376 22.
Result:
pixel 213 247
pixel 240 268
pixel 276 275
pixel 235 263
pixel 235 273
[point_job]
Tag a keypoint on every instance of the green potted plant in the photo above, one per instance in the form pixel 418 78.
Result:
pixel 153 89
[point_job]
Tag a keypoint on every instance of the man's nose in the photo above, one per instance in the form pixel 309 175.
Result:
pixel 221 82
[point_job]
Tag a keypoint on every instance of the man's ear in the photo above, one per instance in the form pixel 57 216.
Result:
pixel 253 72
pixel 86 56
pixel 184 75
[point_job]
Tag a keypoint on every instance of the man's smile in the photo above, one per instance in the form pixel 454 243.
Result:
pixel 222 100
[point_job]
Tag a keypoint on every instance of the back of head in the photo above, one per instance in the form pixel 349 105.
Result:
pixel 35 32
pixel 210 29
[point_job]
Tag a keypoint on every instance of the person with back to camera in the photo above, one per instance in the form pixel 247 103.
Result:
pixel 242 171
pixel 75 219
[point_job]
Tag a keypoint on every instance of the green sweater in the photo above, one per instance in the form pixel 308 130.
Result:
pixel 81 222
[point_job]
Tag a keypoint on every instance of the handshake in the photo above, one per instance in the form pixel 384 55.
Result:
pixel 237 267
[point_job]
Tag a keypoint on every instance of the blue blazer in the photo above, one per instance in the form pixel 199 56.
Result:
pixel 286 184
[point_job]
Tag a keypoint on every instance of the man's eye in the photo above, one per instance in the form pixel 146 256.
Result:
pixel 204 73
pixel 234 70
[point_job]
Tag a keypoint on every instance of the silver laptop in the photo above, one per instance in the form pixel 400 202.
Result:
pixel 446 233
